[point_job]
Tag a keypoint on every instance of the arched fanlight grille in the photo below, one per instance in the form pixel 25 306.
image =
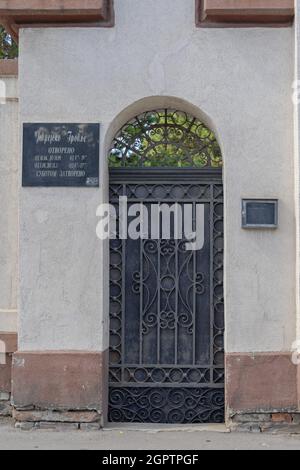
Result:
pixel 165 138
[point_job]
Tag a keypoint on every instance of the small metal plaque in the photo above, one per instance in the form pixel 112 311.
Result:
pixel 61 155
pixel 260 213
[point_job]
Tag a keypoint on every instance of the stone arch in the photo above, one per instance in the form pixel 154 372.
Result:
pixel 157 102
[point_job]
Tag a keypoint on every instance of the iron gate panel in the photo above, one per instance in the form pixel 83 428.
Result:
pixel 166 308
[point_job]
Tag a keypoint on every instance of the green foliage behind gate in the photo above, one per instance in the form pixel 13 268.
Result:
pixel 8 48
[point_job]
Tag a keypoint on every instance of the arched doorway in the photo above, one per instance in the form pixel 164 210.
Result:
pixel 166 300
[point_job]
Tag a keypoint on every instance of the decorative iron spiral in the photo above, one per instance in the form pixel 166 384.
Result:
pixel 165 138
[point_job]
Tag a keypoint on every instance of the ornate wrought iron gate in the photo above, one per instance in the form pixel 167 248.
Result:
pixel 166 306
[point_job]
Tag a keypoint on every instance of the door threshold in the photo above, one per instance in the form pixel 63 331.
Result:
pixel 155 428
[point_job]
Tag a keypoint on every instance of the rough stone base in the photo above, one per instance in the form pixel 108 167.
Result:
pixel 59 389
pixel 57 420
pixel 56 426
pixel 5 405
pixel 8 345
pixel 57 416
pixel 265 422
pixel 59 380
pixel 261 381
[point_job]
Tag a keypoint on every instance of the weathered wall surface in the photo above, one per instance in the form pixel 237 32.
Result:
pixel 297 173
pixel 241 79
pixel 9 150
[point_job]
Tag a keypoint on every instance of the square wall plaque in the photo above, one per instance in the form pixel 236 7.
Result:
pixel 61 155
pixel 260 213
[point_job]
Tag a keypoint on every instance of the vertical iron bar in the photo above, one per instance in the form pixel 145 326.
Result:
pixel 194 287
pixel 211 261
pixel 158 289
pixel 122 348
pixel 141 292
pixel 176 293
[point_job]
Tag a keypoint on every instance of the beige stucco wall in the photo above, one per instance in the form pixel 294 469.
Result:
pixel 296 94
pixel 239 78
pixel 9 149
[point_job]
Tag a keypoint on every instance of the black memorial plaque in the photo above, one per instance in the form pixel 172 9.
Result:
pixel 259 213
pixel 61 155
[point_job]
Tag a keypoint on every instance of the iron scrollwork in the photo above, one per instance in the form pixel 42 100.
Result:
pixel 171 405
pixel 165 137
pixel 166 303
pixel 175 292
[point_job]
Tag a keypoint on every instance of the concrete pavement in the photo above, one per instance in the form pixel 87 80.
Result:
pixel 205 437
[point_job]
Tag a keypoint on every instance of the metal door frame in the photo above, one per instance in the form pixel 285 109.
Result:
pixel 165 176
